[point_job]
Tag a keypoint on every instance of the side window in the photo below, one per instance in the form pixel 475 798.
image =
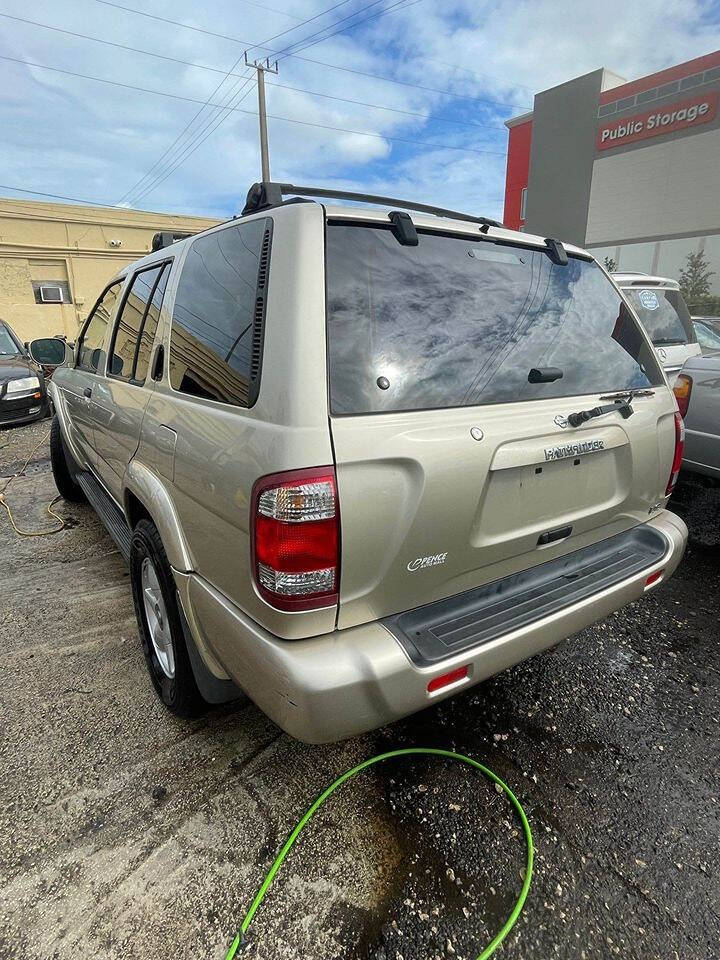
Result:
pixel 149 328
pixel 219 298
pixel 90 351
pixel 129 323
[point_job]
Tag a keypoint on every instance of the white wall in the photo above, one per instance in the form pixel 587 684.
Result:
pixel 668 188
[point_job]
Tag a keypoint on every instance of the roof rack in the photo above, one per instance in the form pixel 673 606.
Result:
pixel 166 238
pixel 262 196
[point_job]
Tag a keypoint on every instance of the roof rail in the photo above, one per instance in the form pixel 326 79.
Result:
pixel 261 196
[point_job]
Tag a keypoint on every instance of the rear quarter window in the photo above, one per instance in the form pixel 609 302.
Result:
pixel 663 313
pixel 218 306
pixel 459 321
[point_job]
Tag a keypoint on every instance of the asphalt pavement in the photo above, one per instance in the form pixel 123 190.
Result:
pixel 128 833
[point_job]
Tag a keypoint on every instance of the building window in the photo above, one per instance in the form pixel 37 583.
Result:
pixel 647 96
pixel 607 109
pixel 694 81
pixel 523 203
pixel 667 88
pixel 51 291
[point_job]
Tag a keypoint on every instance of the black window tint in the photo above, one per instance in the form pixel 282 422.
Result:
pixel 129 324
pixel 663 313
pixel 90 352
pixel 212 324
pixel 456 322
pixel 149 329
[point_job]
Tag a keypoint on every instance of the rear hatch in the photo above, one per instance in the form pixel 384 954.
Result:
pixel 454 467
pixel 665 316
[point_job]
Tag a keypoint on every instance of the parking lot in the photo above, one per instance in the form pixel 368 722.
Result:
pixel 130 833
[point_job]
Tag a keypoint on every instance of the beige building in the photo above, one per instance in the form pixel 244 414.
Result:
pixel 55 258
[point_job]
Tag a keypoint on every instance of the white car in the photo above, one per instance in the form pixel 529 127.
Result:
pixel 660 306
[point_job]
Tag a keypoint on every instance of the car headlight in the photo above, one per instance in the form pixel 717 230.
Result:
pixel 25 383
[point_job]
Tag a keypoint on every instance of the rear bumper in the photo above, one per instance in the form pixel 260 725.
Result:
pixel 343 683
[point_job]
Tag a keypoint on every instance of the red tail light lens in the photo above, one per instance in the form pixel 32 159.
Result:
pixel 679 449
pixel 682 390
pixel 295 523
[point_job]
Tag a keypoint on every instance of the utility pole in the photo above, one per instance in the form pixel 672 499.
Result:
pixel 263 67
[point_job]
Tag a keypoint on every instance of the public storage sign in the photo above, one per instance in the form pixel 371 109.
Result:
pixel 678 116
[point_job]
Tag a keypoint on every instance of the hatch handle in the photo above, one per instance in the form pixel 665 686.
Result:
pixel 552 536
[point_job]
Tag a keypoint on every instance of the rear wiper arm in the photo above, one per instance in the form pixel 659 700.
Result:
pixel 623 407
pixel 628 395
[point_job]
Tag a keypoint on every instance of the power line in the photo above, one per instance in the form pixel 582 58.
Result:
pixel 56 196
pixel 317 16
pixel 321 63
pixel 380 106
pixel 306 123
pixel 164 157
pixel 114 206
pixel 202 66
pixel 316 38
pixel 199 139
pixel 232 99
pixel 110 206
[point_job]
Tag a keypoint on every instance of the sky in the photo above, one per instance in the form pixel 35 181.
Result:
pixel 463 66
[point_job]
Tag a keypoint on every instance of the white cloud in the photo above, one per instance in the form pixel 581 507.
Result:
pixel 80 138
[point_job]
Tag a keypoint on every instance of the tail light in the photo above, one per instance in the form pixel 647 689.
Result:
pixel 682 390
pixel 295 537
pixel 677 458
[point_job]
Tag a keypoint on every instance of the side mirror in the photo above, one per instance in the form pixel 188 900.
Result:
pixel 48 351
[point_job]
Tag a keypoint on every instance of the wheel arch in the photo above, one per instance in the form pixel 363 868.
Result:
pixel 146 497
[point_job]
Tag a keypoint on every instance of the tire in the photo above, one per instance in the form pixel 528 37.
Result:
pixel 67 487
pixel 158 617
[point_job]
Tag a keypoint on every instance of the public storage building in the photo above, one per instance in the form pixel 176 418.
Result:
pixel 630 170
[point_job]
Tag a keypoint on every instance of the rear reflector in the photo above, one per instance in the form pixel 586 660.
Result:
pixel 678 456
pixel 295 522
pixel 682 390
pixel 654 577
pixel 437 683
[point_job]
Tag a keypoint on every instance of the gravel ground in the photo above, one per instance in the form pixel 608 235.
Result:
pixel 131 834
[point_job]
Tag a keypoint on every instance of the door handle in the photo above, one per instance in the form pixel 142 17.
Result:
pixel 87 392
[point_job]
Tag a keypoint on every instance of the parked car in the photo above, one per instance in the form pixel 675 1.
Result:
pixel 23 397
pixel 664 314
pixel 708 335
pixel 360 460
pixel 713 322
pixel 697 389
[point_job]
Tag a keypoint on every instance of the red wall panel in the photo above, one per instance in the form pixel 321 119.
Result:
pixel 518 171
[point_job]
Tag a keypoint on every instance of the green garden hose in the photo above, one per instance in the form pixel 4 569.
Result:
pixel 514 913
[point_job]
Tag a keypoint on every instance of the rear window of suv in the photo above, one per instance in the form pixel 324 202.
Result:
pixel 663 313
pixel 456 321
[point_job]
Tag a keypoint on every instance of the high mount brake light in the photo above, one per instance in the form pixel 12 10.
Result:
pixel 683 390
pixel 677 458
pixel 295 538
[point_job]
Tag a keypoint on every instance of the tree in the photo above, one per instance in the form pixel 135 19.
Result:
pixel 695 278
pixel 610 264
